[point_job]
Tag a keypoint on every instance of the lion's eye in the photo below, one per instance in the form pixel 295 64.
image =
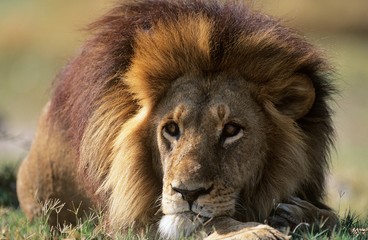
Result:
pixel 231 132
pixel 171 131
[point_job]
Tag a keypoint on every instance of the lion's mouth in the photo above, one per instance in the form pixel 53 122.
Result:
pixel 197 217
pixel 192 216
pixel 182 217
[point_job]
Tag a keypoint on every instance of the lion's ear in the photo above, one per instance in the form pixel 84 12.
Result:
pixel 296 98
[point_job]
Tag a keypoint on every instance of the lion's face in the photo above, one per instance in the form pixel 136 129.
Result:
pixel 211 139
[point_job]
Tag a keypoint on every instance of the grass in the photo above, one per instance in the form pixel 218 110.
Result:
pixel 351 227
pixel 14 225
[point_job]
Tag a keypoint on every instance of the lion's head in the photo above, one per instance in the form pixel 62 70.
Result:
pixel 192 110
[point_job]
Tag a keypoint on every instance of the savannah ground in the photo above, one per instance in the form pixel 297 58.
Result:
pixel 38 37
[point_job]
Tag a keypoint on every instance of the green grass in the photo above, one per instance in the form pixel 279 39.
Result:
pixel 14 225
pixel 351 227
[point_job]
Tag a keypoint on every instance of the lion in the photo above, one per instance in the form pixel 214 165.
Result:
pixel 187 116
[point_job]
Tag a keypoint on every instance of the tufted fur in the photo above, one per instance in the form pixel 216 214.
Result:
pixel 104 104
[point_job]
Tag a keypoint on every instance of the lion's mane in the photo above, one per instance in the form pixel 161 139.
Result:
pixel 105 96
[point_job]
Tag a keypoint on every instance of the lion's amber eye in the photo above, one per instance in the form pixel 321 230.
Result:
pixel 231 129
pixel 171 131
pixel 231 132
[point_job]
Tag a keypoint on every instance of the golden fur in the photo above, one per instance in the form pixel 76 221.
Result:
pixel 152 62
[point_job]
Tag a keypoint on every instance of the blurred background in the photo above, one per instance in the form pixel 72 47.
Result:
pixel 37 37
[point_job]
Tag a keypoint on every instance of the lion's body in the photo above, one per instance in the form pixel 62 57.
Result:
pixel 202 103
pixel 49 173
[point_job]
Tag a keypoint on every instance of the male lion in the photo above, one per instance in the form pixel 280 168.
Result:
pixel 187 115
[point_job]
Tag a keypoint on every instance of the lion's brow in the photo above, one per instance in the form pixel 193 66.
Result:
pixel 223 111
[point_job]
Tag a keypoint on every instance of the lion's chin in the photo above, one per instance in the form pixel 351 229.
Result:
pixel 176 226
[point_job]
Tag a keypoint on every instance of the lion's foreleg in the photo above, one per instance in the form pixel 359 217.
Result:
pixel 230 229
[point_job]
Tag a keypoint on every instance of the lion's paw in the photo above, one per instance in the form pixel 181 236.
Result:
pixel 258 232
pixel 297 213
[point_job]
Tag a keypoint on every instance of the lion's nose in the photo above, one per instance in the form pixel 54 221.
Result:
pixel 191 195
